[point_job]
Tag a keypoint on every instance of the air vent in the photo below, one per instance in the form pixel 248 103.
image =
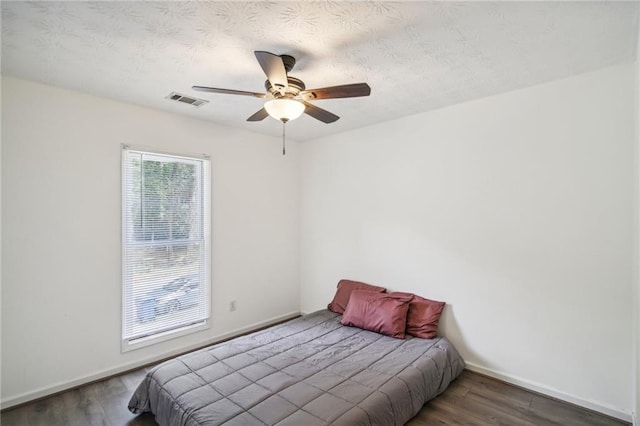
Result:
pixel 179 97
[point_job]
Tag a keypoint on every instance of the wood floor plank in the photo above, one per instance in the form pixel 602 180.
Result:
pixel 110 387
pixel 115 407
pixel 16 417
pixel 49 411
pixel 490 386
pixel 489 415
pixel 557 411
pixel 444 414
pixel 433 416
pixel 459 387
pixel 83 406
pixel 503 404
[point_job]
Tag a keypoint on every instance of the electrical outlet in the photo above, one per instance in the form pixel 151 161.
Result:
pixel 232 306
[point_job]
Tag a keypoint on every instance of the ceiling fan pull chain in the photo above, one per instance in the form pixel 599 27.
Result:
pixel 283 150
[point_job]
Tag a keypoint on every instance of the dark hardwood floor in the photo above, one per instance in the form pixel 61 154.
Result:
pixel 472 399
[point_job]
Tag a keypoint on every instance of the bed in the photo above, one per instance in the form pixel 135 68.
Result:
pixel 309 371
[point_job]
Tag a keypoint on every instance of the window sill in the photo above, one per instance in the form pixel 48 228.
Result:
pixel 130 345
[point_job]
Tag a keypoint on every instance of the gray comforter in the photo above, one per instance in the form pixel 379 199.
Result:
pixel 309 371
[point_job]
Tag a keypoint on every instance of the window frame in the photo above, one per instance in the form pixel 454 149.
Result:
pixel 128 344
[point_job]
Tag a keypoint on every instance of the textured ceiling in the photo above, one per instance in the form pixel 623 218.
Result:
pixel 416 56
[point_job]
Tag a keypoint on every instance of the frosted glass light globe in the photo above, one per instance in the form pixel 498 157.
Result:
pixel 284 109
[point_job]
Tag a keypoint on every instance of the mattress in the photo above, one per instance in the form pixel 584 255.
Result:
pixel 309 371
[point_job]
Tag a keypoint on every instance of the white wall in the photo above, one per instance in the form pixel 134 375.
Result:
pixel 61 276
pixel 636 251
pixel 515 209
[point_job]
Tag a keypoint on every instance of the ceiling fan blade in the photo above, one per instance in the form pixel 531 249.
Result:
pixel 228 91
pixel 345 91
pixel 259 116
pixel 273 67
pixel 319 113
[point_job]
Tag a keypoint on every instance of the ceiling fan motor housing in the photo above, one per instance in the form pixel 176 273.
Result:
pixel 295 86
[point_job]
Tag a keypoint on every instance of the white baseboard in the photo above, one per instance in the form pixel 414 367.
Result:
pixel 63 386
pixel 545 390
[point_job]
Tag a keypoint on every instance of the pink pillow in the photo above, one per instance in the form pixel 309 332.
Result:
pixel 345 287
pixel 423 317
pixel 379 312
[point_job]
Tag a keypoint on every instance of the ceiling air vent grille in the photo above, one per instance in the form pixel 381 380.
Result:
pixel 179 97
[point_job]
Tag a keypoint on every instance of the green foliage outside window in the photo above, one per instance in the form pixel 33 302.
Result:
pixel 163 202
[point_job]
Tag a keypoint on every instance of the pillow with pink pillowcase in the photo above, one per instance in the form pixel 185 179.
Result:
pixel 379 312
pixel 423 316
pixel 345 287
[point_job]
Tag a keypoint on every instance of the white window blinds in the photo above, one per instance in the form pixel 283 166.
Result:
pixel 166 260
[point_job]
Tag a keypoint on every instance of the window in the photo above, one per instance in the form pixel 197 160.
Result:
pixel 165 239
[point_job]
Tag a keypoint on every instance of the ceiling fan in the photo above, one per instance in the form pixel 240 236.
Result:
pixel 287 97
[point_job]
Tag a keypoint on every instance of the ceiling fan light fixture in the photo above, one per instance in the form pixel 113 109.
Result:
pixel 284 109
